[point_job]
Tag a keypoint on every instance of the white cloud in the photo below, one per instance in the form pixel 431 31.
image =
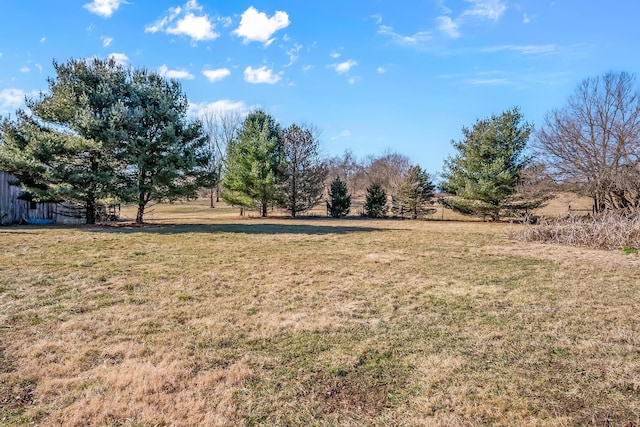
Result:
pixel 417 38
pixel 104 8
pixel 120 58
pixel 25 69
pixel 197 27
pixel 106 41
pixel 256 26
pixel 216 75
pixel 187 21
pixel 335 54
pixel 381 70
pixel 39 67
pixel 11 99
pixel 174 74
pixel 260 75
pixel 221 106
pixel 449 26
pixel 523 49
pixel 307 67
pixel 345 66
pixel 353 80
pixel 490 9
pixel 443 7
pixel 226 21
pixel 43 39
pixel 293 54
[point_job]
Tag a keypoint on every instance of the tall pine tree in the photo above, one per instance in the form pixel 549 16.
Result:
pixel 101 132
pixel 255 164
pixel 67 148
pixel 414 194
pixel 483 175
pixel 162 149
pixel 304 170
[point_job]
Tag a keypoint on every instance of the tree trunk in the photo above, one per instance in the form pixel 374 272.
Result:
pixel 90 199
pixel 294 197
pixel 211 198
pixel 141 205
pixel 140 215
pixel 90 206
pixel 264 210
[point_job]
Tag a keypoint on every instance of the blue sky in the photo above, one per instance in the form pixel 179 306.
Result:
pixel 372 75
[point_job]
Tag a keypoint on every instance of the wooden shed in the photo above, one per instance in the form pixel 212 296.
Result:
pixel 15 210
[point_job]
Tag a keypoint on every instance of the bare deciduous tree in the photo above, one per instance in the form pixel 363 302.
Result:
pixel 593 141
pixel 350 170
pixel 388 170
pixel 220 127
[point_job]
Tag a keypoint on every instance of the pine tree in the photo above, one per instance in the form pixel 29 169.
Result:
pixel 484 174
pixel 339 199
pixel 305 172
pixel 255 164
pixel 414 194
pixel 375 205
pixel 163 149
pixel 67 148
pixel 101 132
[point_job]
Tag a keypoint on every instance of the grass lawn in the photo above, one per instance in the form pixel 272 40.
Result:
pixel 205 318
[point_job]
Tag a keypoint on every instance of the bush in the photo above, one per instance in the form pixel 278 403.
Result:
pixel 605 230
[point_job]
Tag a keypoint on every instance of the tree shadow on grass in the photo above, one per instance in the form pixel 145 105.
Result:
pixel 246 228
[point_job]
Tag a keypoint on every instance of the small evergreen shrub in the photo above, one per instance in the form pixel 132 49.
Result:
pixel 339 199
pixel 376 205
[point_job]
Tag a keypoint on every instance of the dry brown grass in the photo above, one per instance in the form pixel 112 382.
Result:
pixel 203 318
pixel 605 230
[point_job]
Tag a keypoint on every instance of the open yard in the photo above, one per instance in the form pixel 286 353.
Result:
pixel 203 318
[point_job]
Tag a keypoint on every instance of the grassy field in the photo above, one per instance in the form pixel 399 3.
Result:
pixel 204 318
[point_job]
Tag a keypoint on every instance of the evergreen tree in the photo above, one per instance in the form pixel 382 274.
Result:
pixel 67 148
pixel 255 164
pixel 414 194
pixel 305 172
pixel 104 132
pixel 484 174
pixel 339 199
pixel 162 148
pixel 375 205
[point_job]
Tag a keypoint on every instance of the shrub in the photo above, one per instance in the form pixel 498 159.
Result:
pixel 605 230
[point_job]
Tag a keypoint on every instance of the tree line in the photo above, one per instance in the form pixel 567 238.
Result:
pixel 105 132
